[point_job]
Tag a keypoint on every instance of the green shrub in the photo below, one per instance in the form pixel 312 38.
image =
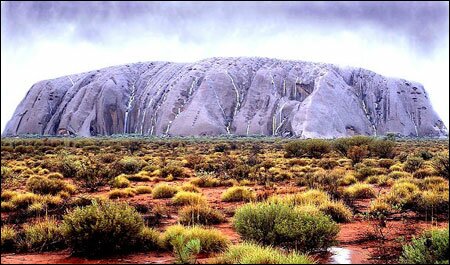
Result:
pixel 281 224
pixel 440 164
pixel 357 153
pixel 412 164
pixel 220 148
pixel 188 198
pixel 200 215
pixel 43 236
pixel 382 148
pixel 310 148
pixel 185 250
pixel 163 191
pixel 425 154
pixel 249 253
pixel 44 185
pixel 431 248
pixel 237 194
pixel 130 165
pixel 324 180
pixel 102 228
pixel 342 145
pixel 8 238
pixel 120 181
pixel 175 171
pixel 211 240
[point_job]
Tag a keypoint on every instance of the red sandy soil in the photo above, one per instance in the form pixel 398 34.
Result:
pixel 359 236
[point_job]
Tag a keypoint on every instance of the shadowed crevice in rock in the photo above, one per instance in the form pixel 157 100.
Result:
pixel 217 96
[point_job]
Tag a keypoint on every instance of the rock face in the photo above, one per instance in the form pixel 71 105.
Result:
pixel 217 96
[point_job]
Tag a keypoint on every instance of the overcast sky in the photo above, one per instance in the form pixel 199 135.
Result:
pixel 42 40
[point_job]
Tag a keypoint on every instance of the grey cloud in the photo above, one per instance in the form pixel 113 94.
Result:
pixel 422 23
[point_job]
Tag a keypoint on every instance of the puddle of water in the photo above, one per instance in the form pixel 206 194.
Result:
pixel 340 255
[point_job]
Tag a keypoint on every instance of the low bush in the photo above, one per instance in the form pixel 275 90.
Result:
pixel 121 193
pixel 403 195
pixel 206 181
pixel 149 239
pixel 423 173
pixel 311 197
pixel 163 190
pixel 348 179
pixel 7 207
pixel 342 145
pixel 211 240
pixel 8 238
pixel 338 211
pixel 382 148
pixel 130 165
pixel 175 171
pixel 359 191
pixel 200 215
pixel 23 200
pixel 44 185
pixel 140 176
pixel 284 225
pixel 185 251
pixel 43 235
pixel 250 253
pixel 357 153
pixel 378 207
pixel 189 187
pixel 102 228
pixel 412 164
pixel 309 148
pixel 188 198
pixel 54 175
pixel 143 189
pixel 433 201
pixel 430 248
pixel 7 195
pixel 441 165
pixel 399 175
pixel 236 194
pixel 120 181
pixel 385 162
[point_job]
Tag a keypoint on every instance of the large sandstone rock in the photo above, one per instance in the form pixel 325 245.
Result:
pixel 240 96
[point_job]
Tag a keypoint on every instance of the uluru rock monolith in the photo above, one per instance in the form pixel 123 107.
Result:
pixel 220 96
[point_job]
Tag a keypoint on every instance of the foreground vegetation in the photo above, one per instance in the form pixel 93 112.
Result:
pixel 286 200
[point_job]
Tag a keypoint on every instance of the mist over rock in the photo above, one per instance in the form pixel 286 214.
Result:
pixel 219 96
